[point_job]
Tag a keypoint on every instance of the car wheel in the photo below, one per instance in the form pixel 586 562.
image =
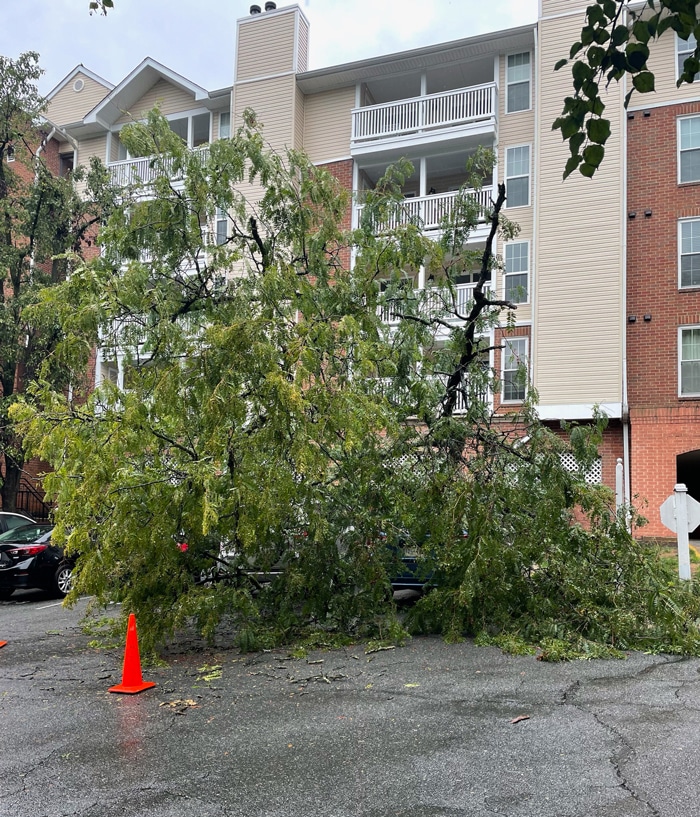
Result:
pixel 6 592
pixel 63 580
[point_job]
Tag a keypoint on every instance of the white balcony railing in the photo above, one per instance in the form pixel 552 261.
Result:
pixel 424 113
pixel 145 170
pixel 430 211
pixel 435 302
pixel 387 387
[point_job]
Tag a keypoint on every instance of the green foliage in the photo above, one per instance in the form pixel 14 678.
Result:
pixel 614 44
pixel 44 222
pixel 267 408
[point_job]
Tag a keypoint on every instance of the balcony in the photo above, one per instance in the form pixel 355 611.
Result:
pixel 143 170
pixel 465 108
pixel 434 303
pixel 429 212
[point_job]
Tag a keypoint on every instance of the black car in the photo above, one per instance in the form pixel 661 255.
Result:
pixel 10 520
pixel 29 560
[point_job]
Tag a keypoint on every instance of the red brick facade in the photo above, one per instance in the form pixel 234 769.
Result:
pixel 343 173
pixel 663 425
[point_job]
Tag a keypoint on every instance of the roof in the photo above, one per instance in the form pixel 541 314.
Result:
pixel 417 59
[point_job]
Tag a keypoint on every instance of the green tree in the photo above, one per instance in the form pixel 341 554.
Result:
pixel 100 6
pixel 615 43
pixel 267 405
pixel 41 217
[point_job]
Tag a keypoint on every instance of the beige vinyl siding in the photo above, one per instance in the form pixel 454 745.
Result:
pixel 662 62
pixel 88 148
pixel 578 266
pixel 328 124
pixel 299 116
pixel 272 100
pixel 265 46
pixel 167 97
pixel 303 46
pixel 69 106
pixel 552 7
pixel 518 129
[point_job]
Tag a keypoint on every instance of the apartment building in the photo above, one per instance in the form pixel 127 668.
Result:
pixel 594 327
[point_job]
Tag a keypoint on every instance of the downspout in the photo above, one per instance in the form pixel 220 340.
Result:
pixel 625 406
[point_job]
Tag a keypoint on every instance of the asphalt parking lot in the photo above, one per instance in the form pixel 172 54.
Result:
pixel 426 730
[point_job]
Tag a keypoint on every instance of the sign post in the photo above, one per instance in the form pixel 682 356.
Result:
pixel 681 514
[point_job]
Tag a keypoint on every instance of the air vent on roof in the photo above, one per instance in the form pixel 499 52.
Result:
pixel 270 6
pixel 255 9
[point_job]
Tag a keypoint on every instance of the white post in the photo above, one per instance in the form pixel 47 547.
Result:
pixel 619 484
pixel 680 493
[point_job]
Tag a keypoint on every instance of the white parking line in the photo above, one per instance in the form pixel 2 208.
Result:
pixel 59 603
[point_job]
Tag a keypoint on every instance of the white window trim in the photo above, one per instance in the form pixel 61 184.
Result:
pixel 507 84
pixel 678 147
pixel 682 221
pixel 529 175
pixel 526 272
pixel 504 354
pixel 10 154
pixel 682 329
pixel 682 48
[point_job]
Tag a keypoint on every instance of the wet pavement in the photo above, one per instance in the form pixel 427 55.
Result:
pixel 427 730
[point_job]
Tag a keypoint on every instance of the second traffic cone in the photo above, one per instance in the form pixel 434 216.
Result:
pixel 132 680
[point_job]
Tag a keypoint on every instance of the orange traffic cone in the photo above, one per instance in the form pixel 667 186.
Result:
pixel 2 643
pixel 132 680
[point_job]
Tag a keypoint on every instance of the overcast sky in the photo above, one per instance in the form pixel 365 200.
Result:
pixel 196 37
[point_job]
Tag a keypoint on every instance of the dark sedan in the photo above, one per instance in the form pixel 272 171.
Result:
pixel 29 560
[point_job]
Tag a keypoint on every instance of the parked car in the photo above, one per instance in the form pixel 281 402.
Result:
pixel 10 520
pixel 28 559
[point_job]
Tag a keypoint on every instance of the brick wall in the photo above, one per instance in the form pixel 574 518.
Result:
pixel 662 424
pixel 343 173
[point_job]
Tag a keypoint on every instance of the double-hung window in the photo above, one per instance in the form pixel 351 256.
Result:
pixel 221 225
pixel 518 82
pixel 684 49
pixel 518 176
pixel 225 125
pixel 514 377
pixel 515 271
pixel 689 245
pixel 689 361
pixel 689 149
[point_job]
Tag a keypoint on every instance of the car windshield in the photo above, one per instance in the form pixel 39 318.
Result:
pixel 25 534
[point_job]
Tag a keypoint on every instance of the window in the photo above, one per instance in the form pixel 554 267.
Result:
pixel 689 361
pixel 518 176
pixel 518 83
pixel 10 153
pixel 684 49
pixel 514 378
pixel 225 125
pixel 65 165
pixel 192 129
pixel 689 149
pixel 689 242
pixel 515 273
pixel 221 226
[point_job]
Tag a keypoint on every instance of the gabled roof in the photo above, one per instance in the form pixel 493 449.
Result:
pixel 80 69
pixel 128 92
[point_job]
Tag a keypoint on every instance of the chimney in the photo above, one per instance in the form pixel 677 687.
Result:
pixel 254 10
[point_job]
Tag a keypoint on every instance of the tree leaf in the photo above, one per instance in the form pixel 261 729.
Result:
pixel 598 130
pixel 643 82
